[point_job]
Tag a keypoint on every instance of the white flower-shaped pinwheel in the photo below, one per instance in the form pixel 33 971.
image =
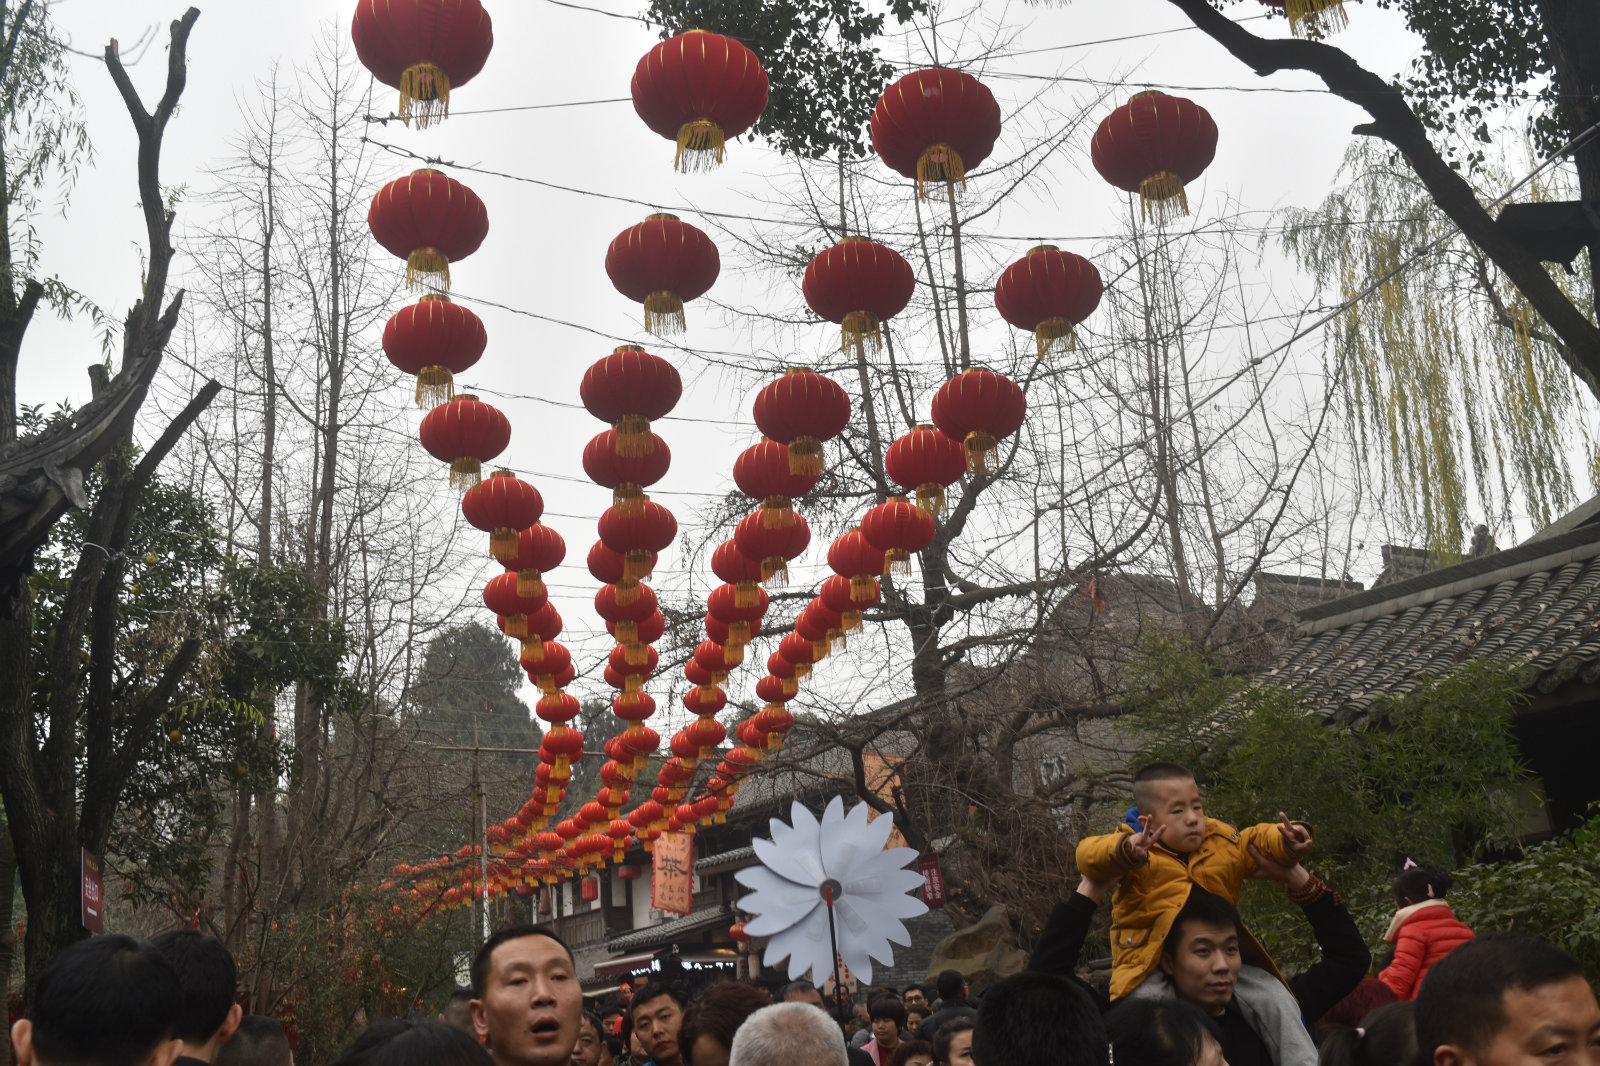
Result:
pixel 842 852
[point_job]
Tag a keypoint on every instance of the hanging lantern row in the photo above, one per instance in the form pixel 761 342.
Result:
pixel 423 48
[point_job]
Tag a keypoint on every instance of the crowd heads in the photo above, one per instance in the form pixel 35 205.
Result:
pixel 1170 1032
pixel 792 1033
pixel 109 1001
pixel 1035 1019
pixel 527 999
pixel 258 1041
pixel 209 979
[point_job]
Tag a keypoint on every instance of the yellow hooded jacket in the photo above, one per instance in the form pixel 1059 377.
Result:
pixel 1152 892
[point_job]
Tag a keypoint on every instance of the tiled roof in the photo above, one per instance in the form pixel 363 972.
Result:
pixel 744 856
pixel 666 931
pixel 1537 604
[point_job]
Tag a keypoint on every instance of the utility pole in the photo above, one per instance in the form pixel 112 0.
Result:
pixel 480 829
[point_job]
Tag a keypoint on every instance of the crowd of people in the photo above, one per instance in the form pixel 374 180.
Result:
pixel 1189 987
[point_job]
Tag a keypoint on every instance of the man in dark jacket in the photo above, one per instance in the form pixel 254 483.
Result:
pixel 1345 957
pixel 952 987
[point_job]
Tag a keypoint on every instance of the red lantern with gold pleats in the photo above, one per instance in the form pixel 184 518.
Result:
pixel 539 549
pixel 424 48
pixel 662 263
pixel 723 633
pixel 718 659
pixel 774 721
pixel 723 604
pixel 626 476
pixel 638 634
pixel 772 546
pixel 434 340
pixel 762 472
pixel 610 606
pixel 705 703
pixel 1312 18
pixel 859 284
pixel 466 433
pixel 935 125
pixel 1155 145
pixel 925 462
pixel 900 529
pixel 430 221
pixel 838 592
pixel 979 408
pixel 633 674
pixel 784 671
pixel 557 708
pixel 738 569
pixel 699 89
pixel 630 388
pixel 815 629
pixel 557 659
pixel 697 674
pixel 639 537
pixel 852 556
pixel 1047 292
pixel 502 506
pixel 501 596
pixel 770 689
pixel 802 409
pixel 542 625
pixel 800 654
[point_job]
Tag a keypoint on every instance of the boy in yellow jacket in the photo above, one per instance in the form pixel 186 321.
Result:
pixel 1170 847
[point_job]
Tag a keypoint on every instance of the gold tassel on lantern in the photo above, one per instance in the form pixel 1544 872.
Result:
pixel 530 583
pixel 424 94
pixel 805 456
pixel 700 146
pixel 777 512
pixel 852 620
pixel 861 588
pixel 435 385
pixel 858 329
pixel 1316 18
pixel 425 264
pixel 465 472
pixel 791 685
pixel 738 637
pixel 774 741
pixel 517 626
pixel 503 547
pixel 1162 199
pixel 1050 334
pixel 637 654
pixel 632 683
pixel 663 312
pixel 941 163
pixel 628 499
pixel 626 632
pixel 983 453
pixel 532 646
pixel 930 497
pixel 774 570
pixel 633 432
pixel 746 594
pixel 636 564
pixel 626 592
pixel 820 649
pixel 897 561
pixel 802 671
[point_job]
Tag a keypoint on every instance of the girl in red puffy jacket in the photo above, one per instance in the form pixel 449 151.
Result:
pixel 1424 929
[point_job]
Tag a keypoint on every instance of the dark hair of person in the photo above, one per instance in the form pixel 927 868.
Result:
pixel 908 1048
pixel 1368 996
pixel 888 1007
pixel 796 988
pixel 1040 1018
pixel 1151 1032
pixel 920 1010
pixel 947 1032
pixel 259 1041
pixel 718 1012
pixel 105 1001
pixel 1462 1000
pixel 481 960
pixel 459 995
pixel 654 991
pixel 1161 771
pixel 1385 1036
pixel 1420 883
pixel 1201 908
pixel 399 1042
pixel 950 983
pixel 209 978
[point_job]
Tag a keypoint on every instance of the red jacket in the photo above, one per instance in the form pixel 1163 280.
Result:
pixel 1422 934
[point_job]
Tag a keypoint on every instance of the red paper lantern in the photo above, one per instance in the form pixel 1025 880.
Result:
pixel 774 721
pixel 721 632
pixel 802 409
pixel 625 475
pixel 633 706
pixel 784 670
pixel 699 89
pixel 697 674
pixel 542 625
pixel 717 659
pixel 1048 291
pixel 502 506
pixel 706 733
pixel 607 565
pixel 774 547
pixel 706 703
pixel 859 284
pixel 430 221
pixel 424 48
pixel 591 889
pixel 500 595
pixel 979 408
pixel 839 594
pixel 633 674
pixel 539 549
pixel 642 633
pixel 723 604
pixel 620 833
pixel 799 652
pixel 609 605
pixel 900 528
pixel 662 263
pixel 434 340
pixel 630 388
pixel 466 433
pixel 925 461
pixel 852 556
pixel 1312 18
pixel 1154 145
pixel 935 125
pixel 750 735
pixel 639 537
pixel 763 472
pixel 771 689
pixel 736 933
pixel 548 671
pixel 557 708
pixel 738 569
pixel 815 629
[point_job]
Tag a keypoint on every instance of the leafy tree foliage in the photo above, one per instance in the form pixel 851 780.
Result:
pixel 825 74
pixel 470 674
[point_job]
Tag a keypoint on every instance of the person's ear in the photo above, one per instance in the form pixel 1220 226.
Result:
pixel 480 1020
pixel 230 1024
pixel 1166 964
pixel 1450 1055
pixel 22 1042
pixel 166 1053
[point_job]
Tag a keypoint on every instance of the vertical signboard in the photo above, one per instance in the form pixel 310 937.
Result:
pixel 91 891
pixel 672 877
pixel 932 880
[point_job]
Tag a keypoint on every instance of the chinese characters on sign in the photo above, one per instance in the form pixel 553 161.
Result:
pixel 672 879
pixel 92 892
pixel 932 880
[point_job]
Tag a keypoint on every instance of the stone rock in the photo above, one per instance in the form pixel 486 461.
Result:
pixel 984 952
